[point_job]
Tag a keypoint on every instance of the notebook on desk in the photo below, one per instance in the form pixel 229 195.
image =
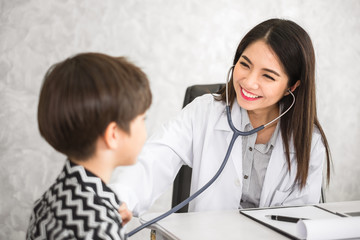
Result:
pixel 317 219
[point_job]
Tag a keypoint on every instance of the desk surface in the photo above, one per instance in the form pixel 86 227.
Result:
pixel 224 225
pixel 342 207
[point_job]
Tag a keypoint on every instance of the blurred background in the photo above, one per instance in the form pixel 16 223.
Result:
pixel 178 44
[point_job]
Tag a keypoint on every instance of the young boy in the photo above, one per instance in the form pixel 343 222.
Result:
pixel 91 109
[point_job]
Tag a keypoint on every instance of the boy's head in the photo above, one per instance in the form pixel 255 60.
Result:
pixel 83 94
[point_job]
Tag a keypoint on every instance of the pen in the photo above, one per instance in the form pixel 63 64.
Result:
pixel 284 218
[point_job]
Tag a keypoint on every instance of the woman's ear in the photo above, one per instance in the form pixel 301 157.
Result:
pixel 113 135
pixel 293 87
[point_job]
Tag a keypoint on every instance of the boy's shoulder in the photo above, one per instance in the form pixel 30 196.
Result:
pixel 77 204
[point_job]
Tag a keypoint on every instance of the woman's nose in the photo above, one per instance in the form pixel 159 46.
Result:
pixel 251 81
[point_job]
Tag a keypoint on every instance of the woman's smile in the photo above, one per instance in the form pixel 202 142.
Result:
pixel 248 95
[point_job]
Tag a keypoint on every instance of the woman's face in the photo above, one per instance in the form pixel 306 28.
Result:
pixel 259 79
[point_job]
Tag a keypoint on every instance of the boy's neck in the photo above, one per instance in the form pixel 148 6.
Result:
pixel 98 166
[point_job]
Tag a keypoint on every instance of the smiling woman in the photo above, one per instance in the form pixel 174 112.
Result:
pixel 274 57
pixel 279 165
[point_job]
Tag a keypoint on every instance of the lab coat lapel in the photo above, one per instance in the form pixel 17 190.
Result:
pixel 276 164
pixel 223 125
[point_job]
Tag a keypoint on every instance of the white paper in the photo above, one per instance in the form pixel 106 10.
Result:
pixel 332 228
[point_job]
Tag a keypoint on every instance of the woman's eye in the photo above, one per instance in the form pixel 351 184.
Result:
pixel 269 77
pixel 244 64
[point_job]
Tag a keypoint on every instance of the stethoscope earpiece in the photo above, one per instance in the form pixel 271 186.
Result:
pixel 229 76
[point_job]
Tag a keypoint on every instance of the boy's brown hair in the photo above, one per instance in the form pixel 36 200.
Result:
pixel 81 95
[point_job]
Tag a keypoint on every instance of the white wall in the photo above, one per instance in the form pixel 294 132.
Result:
pixel 177 43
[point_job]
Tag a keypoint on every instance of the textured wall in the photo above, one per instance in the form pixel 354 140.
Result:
pixel 177 43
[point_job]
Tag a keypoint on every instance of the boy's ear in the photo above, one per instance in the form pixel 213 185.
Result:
pixel 113 135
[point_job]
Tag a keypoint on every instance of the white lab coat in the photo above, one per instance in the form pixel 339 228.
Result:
pixel 199 137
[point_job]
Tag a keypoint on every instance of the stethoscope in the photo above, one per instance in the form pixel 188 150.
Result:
pixel 236 134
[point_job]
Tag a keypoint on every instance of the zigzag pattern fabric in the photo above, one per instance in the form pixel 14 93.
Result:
pixel 77 206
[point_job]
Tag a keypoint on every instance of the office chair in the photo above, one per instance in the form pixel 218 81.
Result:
pixel 181 187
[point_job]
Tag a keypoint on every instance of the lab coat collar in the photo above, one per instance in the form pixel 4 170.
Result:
pixel 223 125
pixel 277 161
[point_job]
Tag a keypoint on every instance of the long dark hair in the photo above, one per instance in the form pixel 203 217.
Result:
pixel 294 48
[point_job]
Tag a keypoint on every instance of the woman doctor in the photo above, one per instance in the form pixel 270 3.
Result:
pixel 280 165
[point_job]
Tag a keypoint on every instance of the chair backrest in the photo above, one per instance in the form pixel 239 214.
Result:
pixel 181 187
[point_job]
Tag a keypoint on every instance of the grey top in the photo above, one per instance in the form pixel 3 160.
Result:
pixel 255 162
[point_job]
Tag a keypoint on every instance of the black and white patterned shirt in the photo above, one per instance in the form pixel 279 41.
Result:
pixel 77 206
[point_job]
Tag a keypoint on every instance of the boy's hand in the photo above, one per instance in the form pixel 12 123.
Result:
pixel 125 213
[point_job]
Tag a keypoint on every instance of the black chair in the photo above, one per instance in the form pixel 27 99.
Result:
pixel 181 187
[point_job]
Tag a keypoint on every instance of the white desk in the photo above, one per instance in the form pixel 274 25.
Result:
pixel 342 207
pixel 224 225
